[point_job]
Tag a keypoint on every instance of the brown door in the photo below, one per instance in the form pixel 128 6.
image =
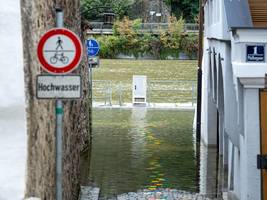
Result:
pixel 263 121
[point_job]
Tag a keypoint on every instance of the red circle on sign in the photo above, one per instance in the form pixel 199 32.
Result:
pixel 78 51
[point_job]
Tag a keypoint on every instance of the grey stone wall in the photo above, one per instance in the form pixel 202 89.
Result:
pixel 38 16
pixel 142 8
pixel 159 7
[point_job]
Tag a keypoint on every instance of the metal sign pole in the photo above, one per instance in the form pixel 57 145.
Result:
pixel 91 83
pixel 59 125
pixel 91 94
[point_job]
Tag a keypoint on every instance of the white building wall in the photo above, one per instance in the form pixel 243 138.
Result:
pixel 12 108
pixel 208 170
pixel 11 62
pixel 215 19
pixel 232 128
pixel 251 185
pixel 239 110
pixel 209 122
pixel 236 172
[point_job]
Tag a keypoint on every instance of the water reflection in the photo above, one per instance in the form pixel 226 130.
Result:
pixel 142 149
pixel 138 123
pixel 208 170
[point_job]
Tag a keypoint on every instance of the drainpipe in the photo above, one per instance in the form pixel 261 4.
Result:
pixel 199 92
pixel 199 74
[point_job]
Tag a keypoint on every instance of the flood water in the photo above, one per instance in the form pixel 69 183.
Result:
pixel 141 148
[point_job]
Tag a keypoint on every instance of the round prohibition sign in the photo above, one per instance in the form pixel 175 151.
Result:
pixel 59 51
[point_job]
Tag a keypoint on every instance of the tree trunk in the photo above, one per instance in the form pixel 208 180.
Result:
pixel 38 16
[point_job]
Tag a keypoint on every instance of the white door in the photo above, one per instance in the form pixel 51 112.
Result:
pixel 139 89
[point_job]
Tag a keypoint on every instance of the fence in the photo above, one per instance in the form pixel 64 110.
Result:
pixel 153 28
pixel 158 91
pixel 102 92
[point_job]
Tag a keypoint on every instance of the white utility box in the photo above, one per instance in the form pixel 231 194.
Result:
pixel 139 89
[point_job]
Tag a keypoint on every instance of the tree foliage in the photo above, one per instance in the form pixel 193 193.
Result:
pixel 92 9
pixel 187 9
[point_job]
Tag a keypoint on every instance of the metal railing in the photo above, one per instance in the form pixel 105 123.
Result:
pixel 154 28
pixel 158 91
pixel 191 27
pixel 123 91
pixel 102 92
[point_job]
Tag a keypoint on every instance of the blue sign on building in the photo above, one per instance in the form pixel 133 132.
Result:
pixel 92 47
pixel 255 53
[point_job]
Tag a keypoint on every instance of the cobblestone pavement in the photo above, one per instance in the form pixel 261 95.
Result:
pixel 90 193
pixel 167 194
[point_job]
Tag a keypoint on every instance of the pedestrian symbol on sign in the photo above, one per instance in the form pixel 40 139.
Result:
pixel 59 51
pixel 92 47
pixel 59 54
pixel 59 43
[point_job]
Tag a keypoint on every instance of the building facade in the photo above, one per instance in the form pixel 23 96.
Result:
pixel 234 100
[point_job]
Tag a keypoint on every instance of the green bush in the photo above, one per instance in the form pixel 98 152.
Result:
pixel 189 45
pixel 108 46
pixel 128 40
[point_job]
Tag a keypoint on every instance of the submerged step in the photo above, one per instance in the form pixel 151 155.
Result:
pixel 162 195
pixel 89 193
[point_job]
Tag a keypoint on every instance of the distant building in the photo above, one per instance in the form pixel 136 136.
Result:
pixel 234 101
pixel 151 11
pixel 157 12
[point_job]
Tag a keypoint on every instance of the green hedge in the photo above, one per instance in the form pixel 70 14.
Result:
pixel 126 40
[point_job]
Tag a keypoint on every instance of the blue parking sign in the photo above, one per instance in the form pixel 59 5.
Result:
pixel 92 47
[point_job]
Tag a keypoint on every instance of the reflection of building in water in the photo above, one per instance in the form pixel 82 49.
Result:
pixel 138 132
pixel 145 145
pixel 208 167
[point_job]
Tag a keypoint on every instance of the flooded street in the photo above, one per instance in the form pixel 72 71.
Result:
pixel 141 148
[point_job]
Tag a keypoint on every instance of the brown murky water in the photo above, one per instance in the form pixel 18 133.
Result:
pixel 142 149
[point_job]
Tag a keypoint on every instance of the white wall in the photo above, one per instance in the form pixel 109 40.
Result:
pixel 215 20
pixel 251 176
pixel 11 62
pixel 12 108
pixel 209 113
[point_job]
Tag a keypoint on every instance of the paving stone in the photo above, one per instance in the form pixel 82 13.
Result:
pixel 89 193
pixel 166 194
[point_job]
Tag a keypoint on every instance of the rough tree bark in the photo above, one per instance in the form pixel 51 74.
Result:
pixel 38 16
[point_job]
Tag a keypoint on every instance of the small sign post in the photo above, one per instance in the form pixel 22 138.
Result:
pixel 59 87
pixel 92 52
pixel 92 47
pixel 59 125
pixel 59 52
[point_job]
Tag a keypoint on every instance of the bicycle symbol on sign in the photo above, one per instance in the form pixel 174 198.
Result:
pixel 59 53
